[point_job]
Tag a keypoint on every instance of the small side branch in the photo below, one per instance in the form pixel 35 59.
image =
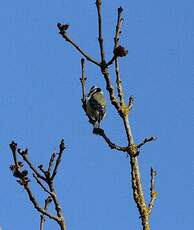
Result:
pixel 100 38
pixel 41 184
pixel 117 68
pixel 37 206
pixel 110 89
pixel 118 26
pixel 101 133
pixel 42 217
pixel 153 193
pixel 146 140
pixel 43 170
pixel 131 102
pixel 57 206
pixel 24 155
pixel 13 147
pixel 51 162
pixel 63 33
pixel 58 161
pixel 111 61
pixel 83 80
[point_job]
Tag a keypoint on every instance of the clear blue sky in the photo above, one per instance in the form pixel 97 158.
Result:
pixel 40 104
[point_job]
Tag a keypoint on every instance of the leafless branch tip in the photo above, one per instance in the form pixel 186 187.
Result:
pixel 153 193
pixel 146 140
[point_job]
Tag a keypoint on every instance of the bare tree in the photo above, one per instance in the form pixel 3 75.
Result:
pixel 122 107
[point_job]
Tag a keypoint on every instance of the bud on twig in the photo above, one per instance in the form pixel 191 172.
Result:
pixel 62 27
pixel 120 51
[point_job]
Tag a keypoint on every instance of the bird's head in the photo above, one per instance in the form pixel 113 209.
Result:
pixel 94 89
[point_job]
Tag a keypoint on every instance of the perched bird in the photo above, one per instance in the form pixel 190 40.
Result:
pixel 95 106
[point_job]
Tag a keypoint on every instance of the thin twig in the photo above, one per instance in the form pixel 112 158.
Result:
pixel 44 171
pixel 58 208
pixel 153 193
pixel 37 206
pixel 117 68
pixel 111 61
pixel 68 39
pixel 51 162
pixel 13 147
pixel 119 83
pixel 128 130
pixel 104 66
pixel 101 133
pixel 100 38
pixel 61 149
pixel 110 89
pixel 131 102
pixel 83 80
pixel 24 155
pixel 42 217
pixel 118 26
pixel 146 140
pixel 41 184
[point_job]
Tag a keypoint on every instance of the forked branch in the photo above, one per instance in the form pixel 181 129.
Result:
pixel 43 179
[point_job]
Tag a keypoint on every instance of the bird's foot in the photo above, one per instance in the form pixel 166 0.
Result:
pixel 98 131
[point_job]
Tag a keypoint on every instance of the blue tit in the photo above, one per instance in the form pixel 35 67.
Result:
pixel 96 106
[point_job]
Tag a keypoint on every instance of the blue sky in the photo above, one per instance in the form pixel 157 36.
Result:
pixel 40 104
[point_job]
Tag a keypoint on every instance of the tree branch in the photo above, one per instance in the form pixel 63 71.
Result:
pixel 41 184
pixel 37 206
pixel 51 162
pixel 24 181
pixel 138 193
pixel 146 140
pixel 44 171
pixel 110 89
pixel 58 161
pixel 42 217
pixel 24 155
pixel 101 133
pixel 100 38
pixel 117 68
pixel 68 39
pixel 58 208
pixel 111 61
pixel 83 80
pixel 131 102
pixel 153 193
pixel 13 147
